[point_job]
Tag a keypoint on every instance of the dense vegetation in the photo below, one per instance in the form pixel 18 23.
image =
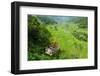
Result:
pixel 70 36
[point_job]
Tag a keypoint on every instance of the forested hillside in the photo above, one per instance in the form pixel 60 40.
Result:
pixel 57 37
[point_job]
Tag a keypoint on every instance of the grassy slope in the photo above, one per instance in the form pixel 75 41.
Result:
pixel 70 46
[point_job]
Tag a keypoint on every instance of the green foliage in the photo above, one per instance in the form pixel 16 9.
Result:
pixel 82 22
pixel 81 35
pixel 38 38
pixel 47 20
pixel 70 46
pixel 77 32
pixel 71 38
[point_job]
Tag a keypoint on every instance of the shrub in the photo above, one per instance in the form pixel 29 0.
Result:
pixel 38 38
pixel 81 35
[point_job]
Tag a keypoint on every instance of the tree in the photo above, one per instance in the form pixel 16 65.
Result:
pixel 38 38
pixel 81 21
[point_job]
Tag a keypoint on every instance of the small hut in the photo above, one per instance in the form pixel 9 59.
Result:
pixel 52 49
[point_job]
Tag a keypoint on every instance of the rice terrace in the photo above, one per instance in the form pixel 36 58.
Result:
pixel 53 37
